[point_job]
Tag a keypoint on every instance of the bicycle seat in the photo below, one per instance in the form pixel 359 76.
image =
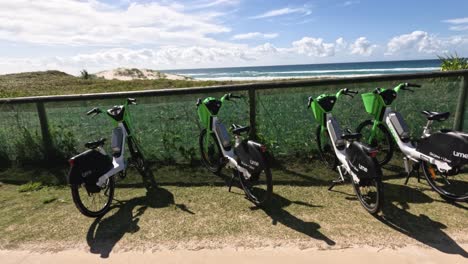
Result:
pixel 237 130
pixel 442 116
pixel 95 144
pixel 351 136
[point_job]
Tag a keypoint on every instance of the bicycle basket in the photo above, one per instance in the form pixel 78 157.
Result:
pixel 371 103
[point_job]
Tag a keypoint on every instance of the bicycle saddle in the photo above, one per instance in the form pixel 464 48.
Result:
pixel 351 136
pixel 442 116
pixel 237 130
pixel 95 144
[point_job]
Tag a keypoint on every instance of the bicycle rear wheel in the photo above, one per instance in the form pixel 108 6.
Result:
pixel 93 204
pixel 258 188
pixel 370 194
pixel 452 185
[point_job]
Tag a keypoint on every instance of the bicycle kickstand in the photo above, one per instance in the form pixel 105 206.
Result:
pixel 231 181
pixel 415 169
pixel 339 180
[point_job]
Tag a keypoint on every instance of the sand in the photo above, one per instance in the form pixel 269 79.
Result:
pixel 279 255
pixel 125 74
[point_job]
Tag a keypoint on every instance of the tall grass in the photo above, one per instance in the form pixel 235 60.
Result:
pixel 452 62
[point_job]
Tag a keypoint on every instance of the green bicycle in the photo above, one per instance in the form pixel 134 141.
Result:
pixel 352 159
pixel 442 155
pixel 246 158
pixel 92 173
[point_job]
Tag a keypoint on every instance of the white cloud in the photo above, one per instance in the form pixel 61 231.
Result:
pixel 210 3
pixel 283 11
pixel 252 35
pixel 314 47
pixel 362 47
pixel 348 3
pixel 72 22
pixel 457 21
pixel 419 41
pixel 341 44
pixel 458 24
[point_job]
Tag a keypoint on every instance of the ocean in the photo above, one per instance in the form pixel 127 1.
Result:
pixel 310 70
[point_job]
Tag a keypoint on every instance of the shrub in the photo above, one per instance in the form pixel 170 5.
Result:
pixel 30 187
pixel 453 62
pixel 84 74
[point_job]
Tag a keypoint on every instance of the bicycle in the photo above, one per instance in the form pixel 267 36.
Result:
pixel 247 159
pixel 92 173
pixel 344 152
pixel 442 155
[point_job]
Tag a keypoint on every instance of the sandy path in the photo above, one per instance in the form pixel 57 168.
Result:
pixel 410 254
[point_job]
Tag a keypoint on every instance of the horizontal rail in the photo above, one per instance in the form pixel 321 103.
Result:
pixel 236 87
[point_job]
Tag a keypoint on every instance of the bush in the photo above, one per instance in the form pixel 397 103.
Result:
pixel 453 62
pixel 30 187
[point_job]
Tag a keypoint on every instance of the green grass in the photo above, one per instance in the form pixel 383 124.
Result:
pixel 59 83
pixel 201 213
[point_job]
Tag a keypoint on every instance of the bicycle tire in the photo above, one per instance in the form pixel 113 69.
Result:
pixel 445 191
pixel 327 153
pixel 141 164
pixel 260 197
pixel 383 157
pixel 77 200
pixel 214 163
pixel 375 208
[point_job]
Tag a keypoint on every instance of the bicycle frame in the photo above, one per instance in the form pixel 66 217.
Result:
pixel 120 134
pixel 213 126
pixel 329 123
pixel 384 115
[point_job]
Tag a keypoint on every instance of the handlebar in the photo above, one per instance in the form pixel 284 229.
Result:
pixel 230 95
pixel 95 111
pixel 347 92
pixel 131 101
pixel 412 85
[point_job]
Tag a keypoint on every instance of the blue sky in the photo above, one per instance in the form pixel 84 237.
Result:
pixel 71 35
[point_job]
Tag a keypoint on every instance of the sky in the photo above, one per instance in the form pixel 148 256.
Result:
pixel 72 35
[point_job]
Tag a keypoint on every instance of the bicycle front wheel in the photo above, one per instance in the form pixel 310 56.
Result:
pixel 93 204
pixel 325 147
pixel 382 140
pixel 141 165
pixel 258 188
pixel 452 185
pixel 370 194
pixel 210 151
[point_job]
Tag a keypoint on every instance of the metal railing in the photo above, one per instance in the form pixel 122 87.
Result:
pixel 251 89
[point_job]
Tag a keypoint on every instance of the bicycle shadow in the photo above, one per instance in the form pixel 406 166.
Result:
pixel 105 232
pixel 276 211
pixel 420 227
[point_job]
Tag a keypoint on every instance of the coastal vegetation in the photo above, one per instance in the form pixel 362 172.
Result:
pixel 452 62
pixel 60 83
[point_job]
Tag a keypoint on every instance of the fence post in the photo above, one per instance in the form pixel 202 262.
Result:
pixel 462 98
pixel 252 114
pixel 46 138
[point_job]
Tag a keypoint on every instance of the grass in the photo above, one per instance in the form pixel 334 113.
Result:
pixel 59 83
pixel 201 213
